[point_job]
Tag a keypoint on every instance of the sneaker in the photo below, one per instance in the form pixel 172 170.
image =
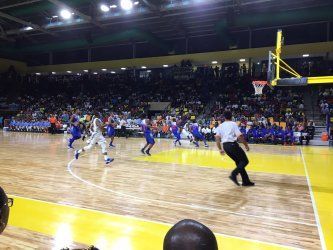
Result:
pixel 147 152
pixel 206 146
pixel 179 143
pixel 248 184
pixel 234 179
pixel 77 154
pixel 70 147
pixel 142 151
pixel 174 143
pixel 109 160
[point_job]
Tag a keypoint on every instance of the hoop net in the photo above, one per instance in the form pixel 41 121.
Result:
pixel 259 86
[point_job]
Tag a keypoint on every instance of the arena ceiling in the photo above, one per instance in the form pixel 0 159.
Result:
pixel 35 26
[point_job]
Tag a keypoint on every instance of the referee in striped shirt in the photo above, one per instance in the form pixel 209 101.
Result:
pixel 228 132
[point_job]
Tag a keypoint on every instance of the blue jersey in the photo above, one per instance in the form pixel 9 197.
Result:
pixel 243 130
pixel 279 133
pixel 262 132
pixel 174 129
pixel 252 132
pixel 271 131
pixel 195 129
pixel 75 120
pixel 289 132
pixel 148 134
pixel 110 129
pixel 147 131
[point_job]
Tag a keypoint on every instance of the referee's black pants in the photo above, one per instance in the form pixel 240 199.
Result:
pixel 235 152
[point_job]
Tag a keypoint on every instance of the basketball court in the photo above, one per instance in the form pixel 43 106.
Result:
pixel 131 204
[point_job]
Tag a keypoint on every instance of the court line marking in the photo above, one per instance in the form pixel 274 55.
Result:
pixel 314 206
pixel 147 220
pixel 193 206
pixel 142 158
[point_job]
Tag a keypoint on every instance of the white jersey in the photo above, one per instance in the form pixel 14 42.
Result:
pixel 96 125
pixel 96 135
pixel 186 134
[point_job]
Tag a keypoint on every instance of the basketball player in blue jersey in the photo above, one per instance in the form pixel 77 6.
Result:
pixel 261 132
pixel 150 142
pixel 289 136
pixel 269 137
pixel 75 128
pixel 252 134
pixel 278 135
pixel 242 129
pixel 197 135
pixel 111 129
pixel 176 132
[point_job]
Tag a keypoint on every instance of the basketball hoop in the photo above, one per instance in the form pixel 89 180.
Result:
pixel 259 86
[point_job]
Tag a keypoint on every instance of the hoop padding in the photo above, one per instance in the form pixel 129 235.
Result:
pixel 259 86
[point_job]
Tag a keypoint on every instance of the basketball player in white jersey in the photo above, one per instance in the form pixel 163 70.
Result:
pixel 96 137
pixel 186 133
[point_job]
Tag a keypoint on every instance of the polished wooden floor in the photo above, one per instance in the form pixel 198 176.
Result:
pixel 136 194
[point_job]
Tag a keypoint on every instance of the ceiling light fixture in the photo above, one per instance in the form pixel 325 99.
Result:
pixel 65 14
pixel 104 8
pixel 28 28
pixel 126 4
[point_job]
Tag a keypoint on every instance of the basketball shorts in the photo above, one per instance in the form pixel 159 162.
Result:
pixel 75 131
pixel 97 137
pixel 111 131
pixel 176 135
pixel 198 136
pixel 150 139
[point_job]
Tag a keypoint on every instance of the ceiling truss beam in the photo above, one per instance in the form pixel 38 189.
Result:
pixel 77 12
pixel 25 23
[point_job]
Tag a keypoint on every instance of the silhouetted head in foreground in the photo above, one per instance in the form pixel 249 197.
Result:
pixel 4 209
pixel 189 235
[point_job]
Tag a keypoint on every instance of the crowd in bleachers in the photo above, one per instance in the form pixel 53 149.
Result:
pixel 202 95
pixel 326 100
